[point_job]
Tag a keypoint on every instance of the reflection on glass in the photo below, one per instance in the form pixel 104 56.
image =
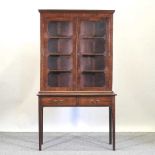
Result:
pixel 92 79
pixel 60 28
pixel 59 79
pixel 59 62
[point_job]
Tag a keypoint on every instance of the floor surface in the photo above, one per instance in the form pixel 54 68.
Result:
pixel 77 144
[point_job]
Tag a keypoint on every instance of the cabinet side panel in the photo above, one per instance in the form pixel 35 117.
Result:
pixel 110 63
pixel 42 81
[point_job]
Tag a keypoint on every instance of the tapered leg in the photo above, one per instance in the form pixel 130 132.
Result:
pixel 113 121
pixel 41 125
pixel 110 125
pixel 40 135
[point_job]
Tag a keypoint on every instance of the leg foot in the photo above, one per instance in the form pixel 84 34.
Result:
pixel 110 126
pixel 113 122
pixel 42 125
pixel 39 147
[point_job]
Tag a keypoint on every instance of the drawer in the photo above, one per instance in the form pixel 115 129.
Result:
pixel 58 101
pixel 95 101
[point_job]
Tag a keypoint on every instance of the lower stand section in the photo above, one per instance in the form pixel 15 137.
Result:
pixel 107 102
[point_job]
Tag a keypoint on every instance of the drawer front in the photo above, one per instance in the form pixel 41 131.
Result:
pixel 95 101
pixel 58 101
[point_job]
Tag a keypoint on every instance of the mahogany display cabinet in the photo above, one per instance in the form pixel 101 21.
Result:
pixel 76 62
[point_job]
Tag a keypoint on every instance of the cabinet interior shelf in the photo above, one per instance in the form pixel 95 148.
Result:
pixel 59 37
pixel 92 37
pixel 59 54
pixel 92 54
pixel 92 71
pixel 59 71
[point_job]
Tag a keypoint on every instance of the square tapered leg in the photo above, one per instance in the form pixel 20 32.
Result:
pixel 113 122
pixel 40 126
pixel 110 125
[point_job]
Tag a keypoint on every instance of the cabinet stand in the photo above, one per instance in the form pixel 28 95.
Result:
pixel 111 106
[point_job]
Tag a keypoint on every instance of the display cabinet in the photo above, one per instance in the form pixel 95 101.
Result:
pixel 76 62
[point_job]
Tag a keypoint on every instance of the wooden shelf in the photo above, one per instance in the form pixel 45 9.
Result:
pixel 92 71
pixel 92 37
pixel 59 54
pixel 92 54
pixel 58 71
pixel 60 37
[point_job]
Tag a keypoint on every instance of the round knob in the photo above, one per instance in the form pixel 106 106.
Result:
pixel 61 101
pixel 92 101
pixel 97 100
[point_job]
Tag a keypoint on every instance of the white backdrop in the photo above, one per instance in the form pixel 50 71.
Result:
pixel 134 68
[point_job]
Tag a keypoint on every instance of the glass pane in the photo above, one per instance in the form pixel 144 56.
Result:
pixel 93 28
pixel 59 63
pixel 92 45
pixel 92 63
pixel 60 45
pixel 59 79
pixel 93 79
pixel 59 49
pixel 92 53
pixel 60 28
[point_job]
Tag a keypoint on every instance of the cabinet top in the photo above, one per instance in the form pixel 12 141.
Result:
pixel 76 11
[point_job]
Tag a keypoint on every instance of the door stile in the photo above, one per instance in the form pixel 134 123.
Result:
pixel 74 54
pixel 77 64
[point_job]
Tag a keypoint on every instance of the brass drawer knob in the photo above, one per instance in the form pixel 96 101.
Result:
pixel 58 101
pixel 92 101
pixel 61 101
pixel 97 100
pixel 55 101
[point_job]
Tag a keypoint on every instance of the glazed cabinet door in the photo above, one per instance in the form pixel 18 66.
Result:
pixel 58 46
pixel 94 55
